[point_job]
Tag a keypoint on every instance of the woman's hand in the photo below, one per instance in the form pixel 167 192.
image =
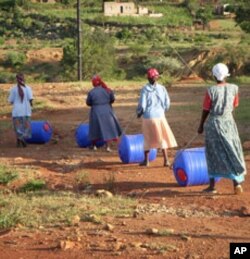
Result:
pixel 200 129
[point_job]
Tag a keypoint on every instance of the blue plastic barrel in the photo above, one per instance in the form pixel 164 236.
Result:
pixel 41 132
pixel 131 149
pixel 82 137
pixel 190 167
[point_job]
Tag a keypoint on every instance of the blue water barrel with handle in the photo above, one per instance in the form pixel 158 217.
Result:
pixel 82 137
pixel 131 149
pixel 41 132
pixel 190 167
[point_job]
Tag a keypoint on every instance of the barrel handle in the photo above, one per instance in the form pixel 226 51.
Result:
pixel 185 147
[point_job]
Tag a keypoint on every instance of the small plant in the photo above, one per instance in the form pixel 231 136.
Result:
pixel 7 175
pixel 110 182
pixel 15 59
pixel 33 185
pixel 82 181
pixel 92 218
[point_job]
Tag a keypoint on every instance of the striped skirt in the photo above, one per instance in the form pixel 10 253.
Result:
pixel 22 127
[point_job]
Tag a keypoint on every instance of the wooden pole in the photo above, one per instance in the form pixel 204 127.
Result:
pixel 79 42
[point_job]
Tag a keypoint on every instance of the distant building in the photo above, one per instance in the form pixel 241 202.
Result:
pixel 126 8
pixel 46 1
pixel 223 9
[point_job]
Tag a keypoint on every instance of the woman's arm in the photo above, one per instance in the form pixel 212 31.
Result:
pixel 112 97
pixel 141 104
pixel 89 100
pixel 207 103
pixel 11 96
pixel 202 121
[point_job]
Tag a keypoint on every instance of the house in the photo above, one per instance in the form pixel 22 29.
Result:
pixel 46 1
pixel 224 9
pixel 128 8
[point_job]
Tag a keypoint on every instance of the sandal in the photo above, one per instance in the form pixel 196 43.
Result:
pixel 93 147
pixel 210 190
pixel 144 163
pixel 108 149
pixel 238 189
pixel 18 143
pixel 166 164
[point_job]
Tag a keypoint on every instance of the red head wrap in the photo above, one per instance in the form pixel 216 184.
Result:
pixel 97 81
pixel 152 73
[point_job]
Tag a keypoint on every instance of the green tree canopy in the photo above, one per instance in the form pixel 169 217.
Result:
pixel 243 15
pixel 98 54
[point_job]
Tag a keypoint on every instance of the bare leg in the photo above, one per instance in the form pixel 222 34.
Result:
pixel 146 159
pixel 165 156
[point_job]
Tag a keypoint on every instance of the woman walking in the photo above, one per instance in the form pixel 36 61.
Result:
pixel 224 153
pixel 21 98
pixel 153 103
pixel 103 124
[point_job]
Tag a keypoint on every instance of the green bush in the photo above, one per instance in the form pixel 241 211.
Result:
pixel 166 65
pixel 124 34
pixel 7 175
pixel 15 59
pixel 6 77
pixel 33 185
pixel 2 40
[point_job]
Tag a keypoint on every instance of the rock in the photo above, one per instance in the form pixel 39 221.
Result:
pixel 185 238
pixel 65 244
pixel 109 227
pixel 152 231
pixel 104 193
pixel 75 220
pixel 119 246
pixel 245 211
pixel 136 244
pixel 18 159
pixel 136 214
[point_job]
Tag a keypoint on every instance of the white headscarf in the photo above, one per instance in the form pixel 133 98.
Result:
pixel 220 71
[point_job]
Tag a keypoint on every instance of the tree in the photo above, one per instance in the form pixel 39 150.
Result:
pixel 243 15
pixel 98 52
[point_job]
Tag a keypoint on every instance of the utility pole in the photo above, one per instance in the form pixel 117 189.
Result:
pixel 79 42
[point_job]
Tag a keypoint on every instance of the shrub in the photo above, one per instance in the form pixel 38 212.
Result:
pixel 165 65
pixel 2 40
pixel 15 59
pixel 124 34
pixel 33 185
pixel 7 175
pixel 6 77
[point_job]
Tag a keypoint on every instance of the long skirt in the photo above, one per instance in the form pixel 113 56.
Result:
pixel 22 127
pixel 157 134
pixel 224 153
pixel 103 124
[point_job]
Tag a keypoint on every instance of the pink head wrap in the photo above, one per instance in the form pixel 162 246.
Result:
pixel 97 81
pixel 152 73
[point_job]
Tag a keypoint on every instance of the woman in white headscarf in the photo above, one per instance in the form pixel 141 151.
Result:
pixel 224 153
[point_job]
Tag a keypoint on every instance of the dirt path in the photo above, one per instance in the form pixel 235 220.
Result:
pixel 200 226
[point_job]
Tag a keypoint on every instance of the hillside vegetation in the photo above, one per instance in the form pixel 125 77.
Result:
pixel 40 39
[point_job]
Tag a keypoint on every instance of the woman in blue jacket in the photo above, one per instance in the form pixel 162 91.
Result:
pixel 153 103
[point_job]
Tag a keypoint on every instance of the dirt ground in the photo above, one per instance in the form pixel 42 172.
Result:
pixel 201 226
